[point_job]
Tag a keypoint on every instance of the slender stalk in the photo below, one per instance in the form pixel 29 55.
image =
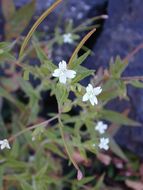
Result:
pixel 32 127
pixel 65 144
pixel 132 53
pixel 132 78
pixel 79 173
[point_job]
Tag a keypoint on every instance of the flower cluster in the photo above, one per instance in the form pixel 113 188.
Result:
pixel 63 74
pixel 104 142
pixel 91 95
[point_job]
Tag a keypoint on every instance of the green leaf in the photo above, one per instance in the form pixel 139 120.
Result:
pixel 80 59
pixel 136 83
pixel 99 183
pixel 69 26
pixel 50 66
pixel 56 150
pixel 6 46
pixel 86 37
pixel 67 106
pixel 117 118
pixel 26 75
pixel 117 67
pixel 25 185
pixel 86 180
pixel 82 73
pixel 20 20
pixel 28 88
pixel 5 55
pixel 8 96
pixel 14 164
pixel 58 36
pixel 61 93
pixel 108 95
pixel 14 153
pixel 1 176
pixel 40 53
pixel 117 150
pixel 42 171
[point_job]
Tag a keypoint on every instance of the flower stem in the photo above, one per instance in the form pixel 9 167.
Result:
pixel 65 144
pixel 33 127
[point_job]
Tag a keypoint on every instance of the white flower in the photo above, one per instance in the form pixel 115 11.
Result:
pixel 68 38
pixel 104 143
pixel 91 94
pixel 101 127
pixel 4 144
pixel 63 73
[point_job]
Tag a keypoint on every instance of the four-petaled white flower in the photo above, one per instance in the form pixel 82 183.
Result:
pixel 101 127
pixel 91 94
pixel 63 73
pixel 4 144
pixel 104 143
pixel 68 38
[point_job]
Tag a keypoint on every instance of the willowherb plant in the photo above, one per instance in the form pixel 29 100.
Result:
pixel 62 135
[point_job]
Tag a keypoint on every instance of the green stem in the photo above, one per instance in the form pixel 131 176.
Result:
pixel 65 144
pixel 32 127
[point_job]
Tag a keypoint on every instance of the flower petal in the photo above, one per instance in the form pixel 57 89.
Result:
pixel 106 147
pixel 56 73
pixel 93 100
pixel 70 74
pixel 62 79
pixel 97 90
pixel 89 88
pixel 7 146
pixel 85 97
pixel 1 142
pixel 62 65
pixel 2 146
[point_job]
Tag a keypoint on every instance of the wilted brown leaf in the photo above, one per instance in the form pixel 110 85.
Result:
pixel 80 159
pixel 104 158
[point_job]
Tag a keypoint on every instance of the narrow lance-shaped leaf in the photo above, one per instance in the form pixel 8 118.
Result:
pixel 117 150
pixel 82 72
pixel 117 67
pixel 79 47
pixel 117 118
pixel 8 96
pixel 61 93
pixel 37 23
pixel 40 53
pixel 136 83
pixel 80 59
pixel 99 184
